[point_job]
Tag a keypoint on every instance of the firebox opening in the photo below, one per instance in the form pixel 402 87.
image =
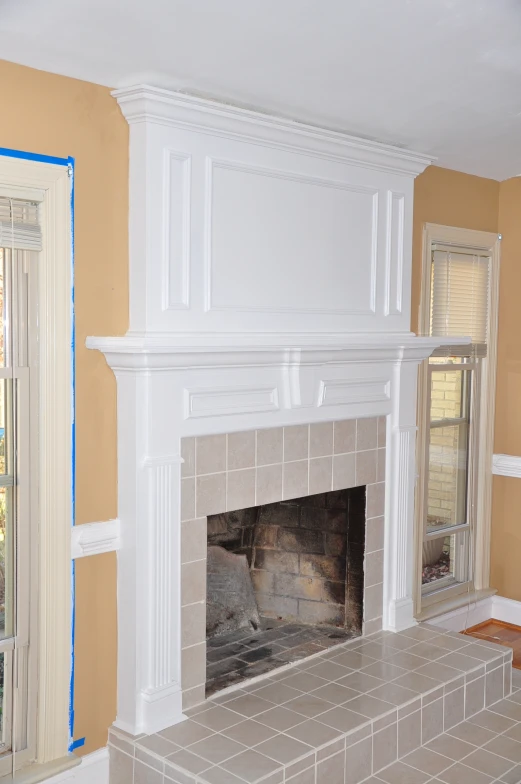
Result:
pixel 285 580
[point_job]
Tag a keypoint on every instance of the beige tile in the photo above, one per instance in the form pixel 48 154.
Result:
pixel 513 776
pixel 218 775
pixel 361 682
pixel 344 471
pixel 508 708
pixel 283 749
pixel 399 773
pixel 382 429
pixel 432 721
pixel 122 741
pixel 321 439
pixel 193 582
pixel 250 765
pixel 268 484
pixel 369 706
pixel 358 761
pixel 188 456
pixel 240 493
pixel 374 568
pixel 216 717
pixel 385 747
pixel 187 498
pixel 474 697
pixel 217 748
pixel 449 746
pixel 427 761
pixel 249 732
pixel 186 760
pixel 309 705
pixel 193 624
pixel 303 764
pixel 193 663
pixel 186 733
pixel 396 695
pixel 296 443
pixel 344 436
pixel 210 494
pixel 145 775
pixel 334 694
pixel 304 777
pixel 505 747
pixel 375 500
pixel 332 770
pixel 373 602
pixel 374 535
pixel 193 540
pixel 277 693
pixel 366 467
pixel 249 705
pixel 454 708
pixel 494 686
pixel 241 450
pixel 320 475
pixel 342 719
pixel 488 763
pixel 373 626
pixel 461 774
pixel 366 433
pixel 158 745
pixel 121 767
pixel 303 681
pixel 210 454
pixel 409 733
pixel 472 733
pixel 380 465
pixel 492 721
pixel 313 733
pixel 330 749
pixel 269 446
pixel 295 479
pixel 280 719
pixel 194 696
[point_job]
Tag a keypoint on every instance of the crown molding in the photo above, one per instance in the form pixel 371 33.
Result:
pixel 95 538
pixel 145 103
pixel 506 465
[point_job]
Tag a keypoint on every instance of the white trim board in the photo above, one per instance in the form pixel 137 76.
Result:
pixel 506 465
pixel 93 769
pixel 497 607
pixel 95 538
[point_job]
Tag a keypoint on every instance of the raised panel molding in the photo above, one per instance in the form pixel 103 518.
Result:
pixel 394 253
pixel 506 465
pixel 176 230
pixel 297 252
pixel 230 401
pixel 95 538
pixel 337 392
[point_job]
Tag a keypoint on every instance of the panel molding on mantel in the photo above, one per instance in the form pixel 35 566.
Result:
pixel 506 465
pixel 95 538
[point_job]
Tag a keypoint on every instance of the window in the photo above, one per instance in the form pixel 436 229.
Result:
pixel 20 240
pixel 456 391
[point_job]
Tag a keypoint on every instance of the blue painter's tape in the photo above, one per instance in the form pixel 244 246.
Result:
pixel 33 156
pixel 77 744
pixel 71 163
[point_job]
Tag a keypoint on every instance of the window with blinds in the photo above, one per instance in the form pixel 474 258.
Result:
pixel 460 293
pixel 19 224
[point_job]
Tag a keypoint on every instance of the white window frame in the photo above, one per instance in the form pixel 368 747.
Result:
pixel 50 184
pixel 489 243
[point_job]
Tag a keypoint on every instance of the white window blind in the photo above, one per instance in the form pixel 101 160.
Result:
pixel 19 225
pixel 460 295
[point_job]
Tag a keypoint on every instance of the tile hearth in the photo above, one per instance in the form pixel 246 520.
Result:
pixel 420 706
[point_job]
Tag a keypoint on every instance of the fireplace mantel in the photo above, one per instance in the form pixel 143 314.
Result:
pixel 270 283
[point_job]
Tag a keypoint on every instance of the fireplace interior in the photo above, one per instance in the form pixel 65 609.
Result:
pixel 285 581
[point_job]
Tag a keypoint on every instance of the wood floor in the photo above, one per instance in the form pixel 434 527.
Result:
pixel 502 633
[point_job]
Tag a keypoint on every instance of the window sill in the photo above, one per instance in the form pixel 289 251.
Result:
pixel 35 773
pixel 440 608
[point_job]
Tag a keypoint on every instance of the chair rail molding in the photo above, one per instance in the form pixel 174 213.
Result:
pixel 506 465
pixel 95 538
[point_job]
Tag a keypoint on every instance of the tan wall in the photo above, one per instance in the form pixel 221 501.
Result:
pixel 449 198
pixel 53 115
pixel 506 513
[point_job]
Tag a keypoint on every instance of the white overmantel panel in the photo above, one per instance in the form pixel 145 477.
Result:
pixel 245 222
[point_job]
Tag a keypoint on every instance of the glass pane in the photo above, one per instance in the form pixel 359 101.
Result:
pixel 2 314
pixel 3 402
pixel 448 476
pixel 449 394
pixel 6 562
pixel 445 561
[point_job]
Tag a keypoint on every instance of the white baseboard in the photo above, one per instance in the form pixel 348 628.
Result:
pixel 497 607
pixel 93 769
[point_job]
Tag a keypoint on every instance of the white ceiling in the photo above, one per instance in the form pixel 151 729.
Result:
pixel 438 76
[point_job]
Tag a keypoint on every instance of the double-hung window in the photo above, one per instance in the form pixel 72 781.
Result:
pixel 459 299
pixel 20 242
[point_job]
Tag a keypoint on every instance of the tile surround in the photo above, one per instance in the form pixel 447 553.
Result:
pixel 238 470
pixel 245 737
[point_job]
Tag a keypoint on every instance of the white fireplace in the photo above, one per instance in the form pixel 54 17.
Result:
pixel 270 276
